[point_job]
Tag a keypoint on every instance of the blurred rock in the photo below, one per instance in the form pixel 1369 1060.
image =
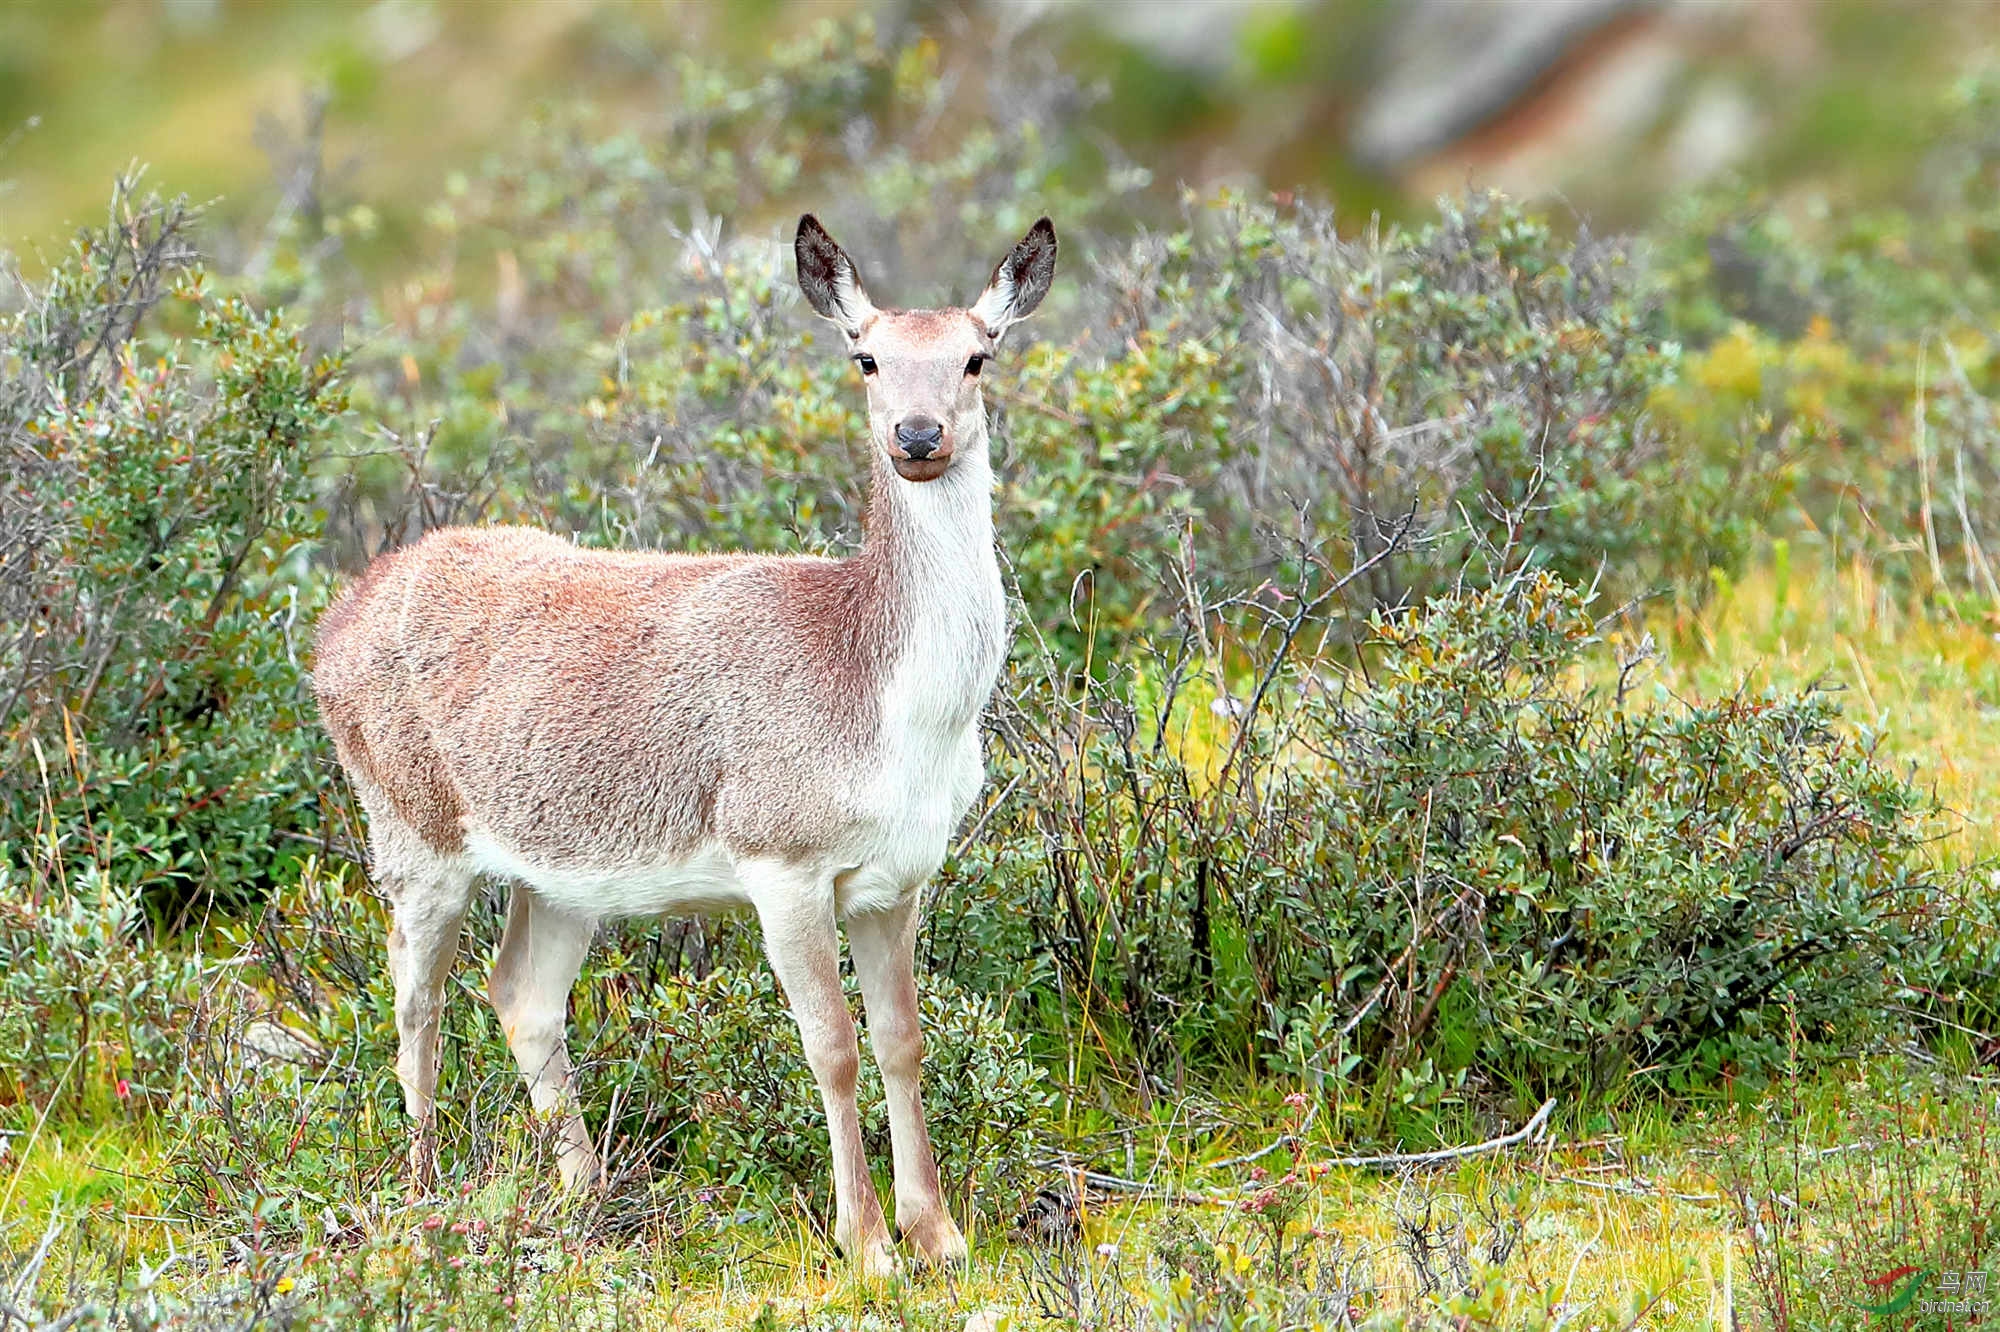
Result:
pixel 1452 65
pixel 268 1042
pixel 1528 96
pixel 1195 33
pixel 1533 96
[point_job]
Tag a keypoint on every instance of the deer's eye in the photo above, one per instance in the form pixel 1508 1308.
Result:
pixel 866 362
pixel 972 366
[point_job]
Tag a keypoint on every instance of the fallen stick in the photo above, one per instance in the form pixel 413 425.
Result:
pixel 1133 1188
pixel 1283 1140
pixel 1394 1161
pixel 1397 1160
pixel 1280 1143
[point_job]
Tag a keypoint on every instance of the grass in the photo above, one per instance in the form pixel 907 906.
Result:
pixel 1592 1236
pixel 1631 1216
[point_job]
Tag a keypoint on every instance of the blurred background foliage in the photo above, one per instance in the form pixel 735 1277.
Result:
pixel 1619 106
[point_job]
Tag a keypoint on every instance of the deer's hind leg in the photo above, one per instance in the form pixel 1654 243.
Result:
pixel 540 955
pixel 428 891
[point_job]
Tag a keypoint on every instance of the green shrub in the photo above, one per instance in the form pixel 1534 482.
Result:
pixel 736 1091
pixel 1460 865
pixel 1476 385
pixel 90 1012
pixel 153 595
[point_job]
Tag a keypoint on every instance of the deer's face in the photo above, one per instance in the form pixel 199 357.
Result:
pixel 922 367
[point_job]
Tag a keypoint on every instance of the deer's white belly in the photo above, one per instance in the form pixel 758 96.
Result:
pixel 702 882
pixel 898 813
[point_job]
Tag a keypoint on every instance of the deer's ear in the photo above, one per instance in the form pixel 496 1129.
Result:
pixel 831 284
pixel 1020 282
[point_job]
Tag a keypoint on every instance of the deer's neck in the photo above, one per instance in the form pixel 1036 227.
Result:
pixel 935 577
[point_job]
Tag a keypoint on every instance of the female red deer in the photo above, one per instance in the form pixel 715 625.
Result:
pixel 627 733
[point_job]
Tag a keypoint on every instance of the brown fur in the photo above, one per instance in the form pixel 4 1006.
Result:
pixel 627 677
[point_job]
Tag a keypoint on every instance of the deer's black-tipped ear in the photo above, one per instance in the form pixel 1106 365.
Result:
pixel 1021 280
pixel 831 284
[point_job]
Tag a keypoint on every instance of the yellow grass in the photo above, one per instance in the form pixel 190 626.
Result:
pixel 1603 1228
pixel 1927 684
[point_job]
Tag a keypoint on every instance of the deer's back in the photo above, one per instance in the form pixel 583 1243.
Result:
pixel 556 710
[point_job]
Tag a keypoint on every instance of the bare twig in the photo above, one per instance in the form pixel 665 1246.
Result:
pixel 986 815
pixel 1049 409
pixel 1922 441
pixel 1528 1132
pixel 1136 1188
pixel 1389 975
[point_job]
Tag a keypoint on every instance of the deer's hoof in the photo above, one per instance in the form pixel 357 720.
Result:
pixel 879 1260
pixel 937 1240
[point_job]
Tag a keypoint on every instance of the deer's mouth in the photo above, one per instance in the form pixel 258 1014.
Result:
pixel 921 469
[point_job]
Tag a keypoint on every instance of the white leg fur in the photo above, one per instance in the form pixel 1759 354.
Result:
pixel 800 936
pixel 428 896
pixel 884 946
pixel 540 954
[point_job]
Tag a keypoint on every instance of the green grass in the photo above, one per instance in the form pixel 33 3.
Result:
pixel 1593 1235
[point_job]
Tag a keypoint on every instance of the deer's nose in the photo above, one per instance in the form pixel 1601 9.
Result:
pixel 919 435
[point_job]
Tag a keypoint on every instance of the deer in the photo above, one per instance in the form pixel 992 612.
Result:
pixel 641 733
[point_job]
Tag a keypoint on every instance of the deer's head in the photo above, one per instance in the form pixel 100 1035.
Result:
pixel 921 367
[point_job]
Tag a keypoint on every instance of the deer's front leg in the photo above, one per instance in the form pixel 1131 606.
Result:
pixel 885 945
pixel 797 913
